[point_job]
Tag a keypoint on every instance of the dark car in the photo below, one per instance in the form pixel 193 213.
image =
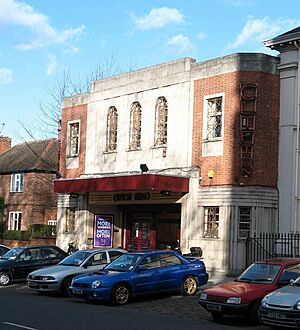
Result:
pixel 18 262
pixel 244 295
pixel 3 249
pixel 141 273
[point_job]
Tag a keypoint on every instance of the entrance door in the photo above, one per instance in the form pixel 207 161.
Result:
pixel 140 235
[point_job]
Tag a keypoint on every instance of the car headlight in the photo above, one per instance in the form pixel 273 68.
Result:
pixel 47 278
pixel 95 284
pixel 203 296
pixel 297 306
pixel 234 300
pixel 264 302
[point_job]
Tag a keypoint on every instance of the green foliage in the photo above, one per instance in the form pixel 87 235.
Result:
pixel 19 235
pixel 41 230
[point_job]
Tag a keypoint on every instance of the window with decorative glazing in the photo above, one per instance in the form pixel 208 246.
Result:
pixel 211 222
pixel 161 121
pixel 214 118
pixel 70 219
pixel 244 222
pixel 135 126
pixel 73 145
pixel 112 129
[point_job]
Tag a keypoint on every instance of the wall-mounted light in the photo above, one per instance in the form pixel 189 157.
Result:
pixel 211 174
pixel 144 168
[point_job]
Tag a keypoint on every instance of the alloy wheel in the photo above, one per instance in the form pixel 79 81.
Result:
pixel 190 286
pixel 121 295
pixel 4 279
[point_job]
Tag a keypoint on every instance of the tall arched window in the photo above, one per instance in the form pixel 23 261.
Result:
pixel 161 121
pixel 135 126
pixel 112 129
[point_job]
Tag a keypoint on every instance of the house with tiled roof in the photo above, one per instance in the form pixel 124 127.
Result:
pixel 27 171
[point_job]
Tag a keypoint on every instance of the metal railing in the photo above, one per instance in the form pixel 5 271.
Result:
pixel 272 246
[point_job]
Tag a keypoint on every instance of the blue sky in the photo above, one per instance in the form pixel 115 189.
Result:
pixel 40 39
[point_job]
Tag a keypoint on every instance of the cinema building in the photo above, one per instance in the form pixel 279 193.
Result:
pixel 182 154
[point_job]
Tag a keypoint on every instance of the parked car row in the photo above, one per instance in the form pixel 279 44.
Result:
pixel 267 291
pixel 102 274
pixel 262 293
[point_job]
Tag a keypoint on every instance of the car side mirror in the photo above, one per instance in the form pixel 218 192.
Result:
pixel 292 281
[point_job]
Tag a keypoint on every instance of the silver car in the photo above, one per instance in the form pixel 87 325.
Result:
pixel 282 307
pixel 58 278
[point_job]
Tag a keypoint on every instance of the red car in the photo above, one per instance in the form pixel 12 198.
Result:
pixel 243 296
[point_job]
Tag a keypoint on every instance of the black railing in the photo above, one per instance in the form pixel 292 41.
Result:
pixel 272 246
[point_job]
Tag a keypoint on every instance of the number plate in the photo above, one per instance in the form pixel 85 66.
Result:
pixel 276 315
pixel 212 307
pixel 77 291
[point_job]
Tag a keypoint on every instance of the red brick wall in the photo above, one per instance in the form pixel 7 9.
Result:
pixel 37 202
pixel 68 114
pixel 265 158
pixel 5 144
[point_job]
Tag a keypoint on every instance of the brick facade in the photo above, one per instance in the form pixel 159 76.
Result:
pixel 5 144
pixel 73 113
pixel 265 156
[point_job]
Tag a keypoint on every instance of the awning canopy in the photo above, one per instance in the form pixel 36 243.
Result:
pixel 155 182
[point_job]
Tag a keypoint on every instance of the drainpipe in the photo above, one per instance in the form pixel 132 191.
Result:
pixel 296 197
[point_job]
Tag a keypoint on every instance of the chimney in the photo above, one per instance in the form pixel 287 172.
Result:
pixel 5 144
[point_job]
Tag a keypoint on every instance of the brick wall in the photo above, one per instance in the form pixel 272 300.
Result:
pixel 5 144
pixel 265 157
pixel 37 202
pixel 78 112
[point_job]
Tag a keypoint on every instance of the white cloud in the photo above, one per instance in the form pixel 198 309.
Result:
pixel 13 12
pixel 52 66
pixel 158 18
pixel 201 35
pixel 6 76
pixel 257 30
pixel 181 43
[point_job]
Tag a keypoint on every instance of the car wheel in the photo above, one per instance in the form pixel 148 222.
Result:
pixel 189 286
pixel 4 279
pixel 254 312
pixel 217 316
pixel 64 288
pixel 120 294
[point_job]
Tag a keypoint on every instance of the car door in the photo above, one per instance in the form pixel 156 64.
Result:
pixel 171 273
pixel 28 261
pixel 146 277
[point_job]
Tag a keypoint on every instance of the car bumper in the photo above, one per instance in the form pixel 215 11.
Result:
pixel 280 318
pixel 40 286
pixel 229 309
pixel 202 279
pixel 99 294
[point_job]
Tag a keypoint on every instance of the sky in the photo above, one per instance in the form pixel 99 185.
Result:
pixel 41 40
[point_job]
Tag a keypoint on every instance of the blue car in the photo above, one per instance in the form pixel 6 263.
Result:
pixel 141 273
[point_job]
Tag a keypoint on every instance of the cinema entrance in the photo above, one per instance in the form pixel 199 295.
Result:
pixel 152 226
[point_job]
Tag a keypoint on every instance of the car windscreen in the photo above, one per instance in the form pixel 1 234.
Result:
pixel 12 254
pixel 260 273
pixel 124 263
pixel 76 259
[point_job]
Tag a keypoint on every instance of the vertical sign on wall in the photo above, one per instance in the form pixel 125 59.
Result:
pixel 103 229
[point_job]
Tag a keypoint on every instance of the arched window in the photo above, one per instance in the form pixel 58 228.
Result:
pixel 112 129
pixel 135 126
pixel 161 121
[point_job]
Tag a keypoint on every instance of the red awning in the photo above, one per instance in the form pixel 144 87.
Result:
pixel 117 183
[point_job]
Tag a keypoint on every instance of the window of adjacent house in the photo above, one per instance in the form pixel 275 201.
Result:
pixel 161 122
pixel 14 220
pixel 70 219
pixel 16 182
pixel 244 221
pixel 211 222
pixel 135 126
pixel 73 143
pixel 214 112
pixel 112 129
